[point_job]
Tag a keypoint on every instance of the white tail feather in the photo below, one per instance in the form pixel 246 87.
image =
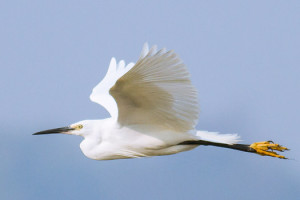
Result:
pixel 217 137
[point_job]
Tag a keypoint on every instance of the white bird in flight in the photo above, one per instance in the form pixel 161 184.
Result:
pixel 154 111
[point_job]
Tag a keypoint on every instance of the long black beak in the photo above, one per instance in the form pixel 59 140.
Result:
pixel 55 130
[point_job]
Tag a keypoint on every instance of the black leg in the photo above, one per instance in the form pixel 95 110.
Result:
pixel 240 147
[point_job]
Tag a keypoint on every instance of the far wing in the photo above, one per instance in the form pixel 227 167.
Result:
pixel 156 91
pixel 100 92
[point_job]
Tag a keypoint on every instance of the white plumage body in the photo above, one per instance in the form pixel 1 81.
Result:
pixel 115 142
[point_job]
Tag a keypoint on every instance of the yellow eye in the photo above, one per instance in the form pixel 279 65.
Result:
pixel 78 126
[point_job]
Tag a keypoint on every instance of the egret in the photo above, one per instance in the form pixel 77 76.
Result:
pixel 154 111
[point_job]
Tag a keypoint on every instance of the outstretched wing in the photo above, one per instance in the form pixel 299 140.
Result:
pixel 100 93
pixel 155 91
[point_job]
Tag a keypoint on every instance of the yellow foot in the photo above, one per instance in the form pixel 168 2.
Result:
pixel 266 149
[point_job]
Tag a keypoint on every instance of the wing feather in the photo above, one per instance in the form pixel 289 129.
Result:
pixel 156 91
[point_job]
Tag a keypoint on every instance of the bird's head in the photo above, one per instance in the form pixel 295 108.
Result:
pixel 81 128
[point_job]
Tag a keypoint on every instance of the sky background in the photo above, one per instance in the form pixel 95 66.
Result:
pixel 245 63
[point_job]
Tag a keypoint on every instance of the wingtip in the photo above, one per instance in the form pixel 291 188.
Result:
pixel 121 65
pixel 153 50
pixel 112 65
pixel 145 50
pixel 113 61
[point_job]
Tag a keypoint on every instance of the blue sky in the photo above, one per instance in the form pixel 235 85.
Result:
pixel 245 63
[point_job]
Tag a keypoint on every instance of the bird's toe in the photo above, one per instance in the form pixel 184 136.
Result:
pixel 268 148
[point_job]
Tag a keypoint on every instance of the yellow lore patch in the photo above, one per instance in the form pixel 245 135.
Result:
pixel 77 126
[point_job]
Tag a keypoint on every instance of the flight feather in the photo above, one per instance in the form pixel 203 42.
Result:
pixel 155 91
